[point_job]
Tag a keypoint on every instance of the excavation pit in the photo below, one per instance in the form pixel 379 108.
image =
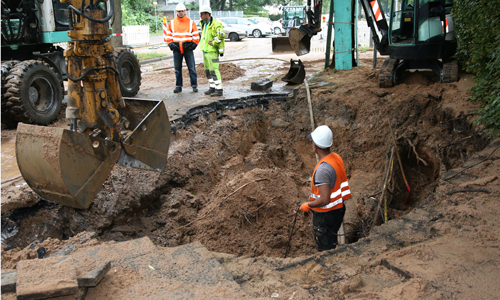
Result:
pixel 238 169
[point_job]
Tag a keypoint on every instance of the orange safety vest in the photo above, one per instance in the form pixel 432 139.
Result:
pixel 340 191
pixel 181 30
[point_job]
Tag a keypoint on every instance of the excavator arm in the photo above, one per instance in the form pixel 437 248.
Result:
pixel 375 18
pixel 300 38
pixel 69 166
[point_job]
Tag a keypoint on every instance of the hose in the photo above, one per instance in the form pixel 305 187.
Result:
pixel 107 18
pixel 91 69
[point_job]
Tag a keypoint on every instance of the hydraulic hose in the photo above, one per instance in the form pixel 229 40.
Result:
pixel 91 69
pixel 107 18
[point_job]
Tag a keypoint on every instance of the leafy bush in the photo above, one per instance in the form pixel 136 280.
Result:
pixel 139 12
pixel 478 34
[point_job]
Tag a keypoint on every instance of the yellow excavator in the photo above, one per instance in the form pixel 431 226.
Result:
pixel 69 166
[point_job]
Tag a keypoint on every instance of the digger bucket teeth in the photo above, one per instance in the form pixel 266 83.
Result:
pixel 300 42
pixel 62 165
pixel 296 74
pixel 70 168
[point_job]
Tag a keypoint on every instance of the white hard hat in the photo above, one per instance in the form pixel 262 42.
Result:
pixel 180 6
pixel 322 136
pixel 206 9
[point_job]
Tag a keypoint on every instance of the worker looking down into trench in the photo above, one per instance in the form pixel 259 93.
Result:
pixel 329 189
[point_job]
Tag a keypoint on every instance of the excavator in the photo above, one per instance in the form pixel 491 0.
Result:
pixel 69 166
pixel 419 35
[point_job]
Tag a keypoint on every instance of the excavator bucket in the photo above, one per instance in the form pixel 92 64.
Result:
pixel 281 44
pixel 299 41
pixel 147 146
pixel 296 74
pixel 69 168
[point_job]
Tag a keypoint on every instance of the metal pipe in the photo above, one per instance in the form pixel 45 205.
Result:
pixel 329 36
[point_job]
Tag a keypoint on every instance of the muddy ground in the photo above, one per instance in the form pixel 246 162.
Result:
pixel 235 179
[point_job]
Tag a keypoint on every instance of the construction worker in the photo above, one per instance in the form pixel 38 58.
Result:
pixel 329 190
pixel 212 46
pixel 182 38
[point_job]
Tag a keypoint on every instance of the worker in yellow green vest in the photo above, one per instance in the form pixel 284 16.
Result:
pixel 212 45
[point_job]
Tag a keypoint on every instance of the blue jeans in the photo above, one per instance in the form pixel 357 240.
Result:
pixel 189 57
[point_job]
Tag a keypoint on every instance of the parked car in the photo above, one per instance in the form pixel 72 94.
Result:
pixel 255 30
pixel 275 25
pixel 232 33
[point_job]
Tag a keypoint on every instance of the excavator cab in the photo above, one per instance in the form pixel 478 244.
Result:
pixel 420 35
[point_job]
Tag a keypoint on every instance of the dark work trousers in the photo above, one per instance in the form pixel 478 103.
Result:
pixel 326 225
pixel 189 58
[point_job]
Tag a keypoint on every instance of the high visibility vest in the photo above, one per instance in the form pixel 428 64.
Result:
pixel 213 31
pixel 340 191
pixel 182 30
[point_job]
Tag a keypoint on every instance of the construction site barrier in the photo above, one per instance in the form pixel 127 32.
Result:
pixel 135 35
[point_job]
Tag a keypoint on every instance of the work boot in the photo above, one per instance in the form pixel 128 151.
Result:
pixel 195 90
pixel 178 90
pixel 217 93
pixel 210 91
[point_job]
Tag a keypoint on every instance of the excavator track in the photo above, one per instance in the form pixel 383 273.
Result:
pixel 450 71
pixel 387 78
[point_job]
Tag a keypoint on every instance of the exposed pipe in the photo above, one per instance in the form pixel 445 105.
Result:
pixel 341 229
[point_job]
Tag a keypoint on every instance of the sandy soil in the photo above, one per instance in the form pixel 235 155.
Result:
pixel 235 179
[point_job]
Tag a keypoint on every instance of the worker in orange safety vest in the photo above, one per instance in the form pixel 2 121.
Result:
pixel 182 38
pixel 329 190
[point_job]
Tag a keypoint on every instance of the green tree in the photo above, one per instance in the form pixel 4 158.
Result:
pixel 140 12
pixel 477 24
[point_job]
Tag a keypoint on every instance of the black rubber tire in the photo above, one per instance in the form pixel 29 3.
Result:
pixel 257 33
pixel 33 94
pixel 127 64
pixel 277 30
pixel 6 67
pixel 233 37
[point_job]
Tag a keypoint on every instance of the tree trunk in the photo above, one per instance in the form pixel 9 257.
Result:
pixel 116 41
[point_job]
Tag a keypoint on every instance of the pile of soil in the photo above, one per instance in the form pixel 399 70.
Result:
pixel 166 78
pixel 234 181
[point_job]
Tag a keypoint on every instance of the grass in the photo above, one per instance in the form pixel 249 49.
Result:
pixel 364 48
pixel 148 55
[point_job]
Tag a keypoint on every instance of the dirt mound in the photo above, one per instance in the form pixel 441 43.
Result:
pixel 166 78
pixel 261 201
pixel 228 71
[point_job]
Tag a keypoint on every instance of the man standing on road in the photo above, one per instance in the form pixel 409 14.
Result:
pixel 182 38
pixel 212 45
pixel 329 190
